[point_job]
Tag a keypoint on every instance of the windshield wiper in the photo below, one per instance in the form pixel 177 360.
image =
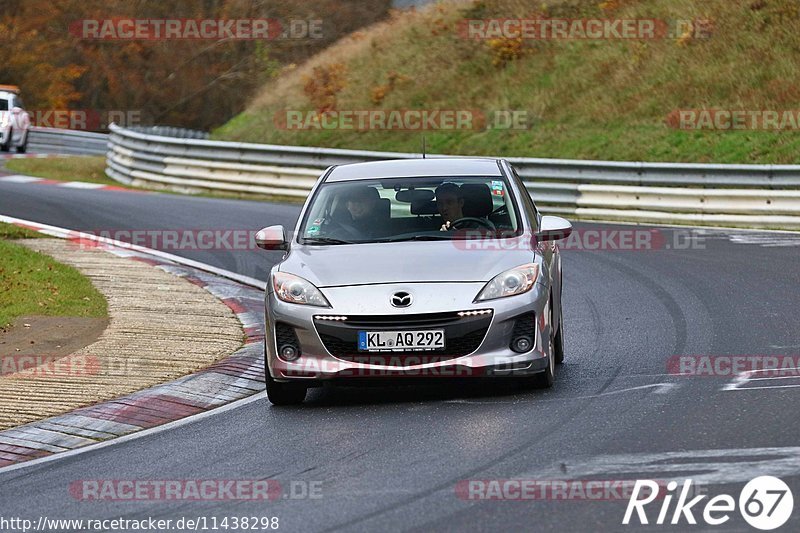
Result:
pixel 444 237
pixel 324 240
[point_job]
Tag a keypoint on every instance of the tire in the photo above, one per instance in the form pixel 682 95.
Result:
pixel 282 393
pixel 558 342
pixel 23 147
pixel 7 145
pixel 546 379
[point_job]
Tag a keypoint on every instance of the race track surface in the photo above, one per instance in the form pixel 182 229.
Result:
pixel 391 458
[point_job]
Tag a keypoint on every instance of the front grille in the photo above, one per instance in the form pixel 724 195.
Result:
pixel 463 335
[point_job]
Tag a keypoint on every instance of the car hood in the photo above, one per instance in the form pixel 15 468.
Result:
pixel 400 262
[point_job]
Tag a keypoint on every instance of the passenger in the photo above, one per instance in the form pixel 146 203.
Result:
pixel 450 201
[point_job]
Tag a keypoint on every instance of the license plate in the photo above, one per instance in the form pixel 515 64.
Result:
pixel 400 341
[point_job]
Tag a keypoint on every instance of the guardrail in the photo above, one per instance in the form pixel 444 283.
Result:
pixel 58 141
pixel 722 195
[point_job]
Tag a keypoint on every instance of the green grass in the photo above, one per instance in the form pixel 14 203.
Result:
pixel 10 231
pixel 35 284
pixel 91 169
pixel 585 99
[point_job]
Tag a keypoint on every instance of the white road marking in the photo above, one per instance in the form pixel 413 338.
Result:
pixel 741 380
pixel 660 388
pixel 19 178
pixel 766 240
pixel 82 185
pixel 702 466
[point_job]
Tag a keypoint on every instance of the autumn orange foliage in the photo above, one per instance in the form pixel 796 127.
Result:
pixel 191 83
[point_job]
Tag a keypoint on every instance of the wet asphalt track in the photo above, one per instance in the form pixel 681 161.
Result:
pixel 391 458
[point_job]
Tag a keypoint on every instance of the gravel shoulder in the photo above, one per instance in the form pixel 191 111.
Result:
pixel 161 327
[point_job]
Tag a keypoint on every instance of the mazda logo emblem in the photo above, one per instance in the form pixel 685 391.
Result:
pixel 401 299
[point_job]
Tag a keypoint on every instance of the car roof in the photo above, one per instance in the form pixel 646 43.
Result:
pixel 409 168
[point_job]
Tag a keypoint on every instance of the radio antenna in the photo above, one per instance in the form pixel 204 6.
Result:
pixel 423 147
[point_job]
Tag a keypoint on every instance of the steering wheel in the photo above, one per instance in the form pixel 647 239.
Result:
pixel 470 222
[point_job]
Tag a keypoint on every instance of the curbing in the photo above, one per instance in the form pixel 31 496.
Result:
pixel 231 379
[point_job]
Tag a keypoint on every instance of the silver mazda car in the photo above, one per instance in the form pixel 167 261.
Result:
pixel 428 268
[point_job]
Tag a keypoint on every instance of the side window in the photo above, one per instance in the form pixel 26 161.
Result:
pixel 527 201
pixel 19 103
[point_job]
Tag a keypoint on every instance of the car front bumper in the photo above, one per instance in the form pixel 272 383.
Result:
pixel 480 345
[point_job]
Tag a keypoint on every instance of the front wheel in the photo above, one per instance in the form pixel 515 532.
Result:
pixel 6 146
pixel 546 379
pixel 558 342
pixel 284 393
pixel 23 146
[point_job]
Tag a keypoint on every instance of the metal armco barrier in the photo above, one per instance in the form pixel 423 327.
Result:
pixel 757 196
pixel 58 141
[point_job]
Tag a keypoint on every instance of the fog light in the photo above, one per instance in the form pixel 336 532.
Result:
pixel 522 344
pixel 289 352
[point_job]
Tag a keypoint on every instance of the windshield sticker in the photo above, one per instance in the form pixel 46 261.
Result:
pixel 497 188
pixel 314 229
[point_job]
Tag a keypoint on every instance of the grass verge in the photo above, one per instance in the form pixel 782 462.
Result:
pixel 35 284
pixel 91 169
pixel 614 99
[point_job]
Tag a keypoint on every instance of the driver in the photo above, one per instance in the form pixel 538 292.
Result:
pixel 362 205
pixel 450 202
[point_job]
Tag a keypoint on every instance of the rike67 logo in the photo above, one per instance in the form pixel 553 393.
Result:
pixel 765 503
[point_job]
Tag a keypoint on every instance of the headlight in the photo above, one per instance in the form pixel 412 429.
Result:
pixel 296 290
pixel 518 280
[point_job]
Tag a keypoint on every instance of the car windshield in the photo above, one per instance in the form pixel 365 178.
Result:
pixel 405 209
pixel 3 104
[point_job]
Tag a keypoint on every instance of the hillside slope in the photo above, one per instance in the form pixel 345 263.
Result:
pixel 613 99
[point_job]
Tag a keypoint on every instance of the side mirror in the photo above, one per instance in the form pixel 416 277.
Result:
pixel 553 229
pixel 272 238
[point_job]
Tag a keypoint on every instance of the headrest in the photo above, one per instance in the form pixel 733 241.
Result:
pixel 477 200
